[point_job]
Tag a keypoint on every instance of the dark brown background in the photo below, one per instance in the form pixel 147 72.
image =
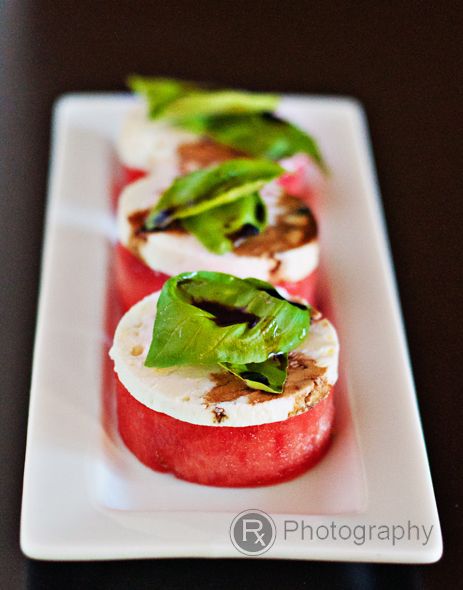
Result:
pixel 402 63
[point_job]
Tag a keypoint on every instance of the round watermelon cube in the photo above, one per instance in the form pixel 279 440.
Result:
pixel 224 456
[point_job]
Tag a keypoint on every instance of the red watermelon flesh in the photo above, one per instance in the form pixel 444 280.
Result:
pixel 135 280
pixel 225 456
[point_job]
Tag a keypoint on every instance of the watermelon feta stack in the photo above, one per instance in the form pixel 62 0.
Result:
pixel 233 217
pixel 178 127
pixel 225 381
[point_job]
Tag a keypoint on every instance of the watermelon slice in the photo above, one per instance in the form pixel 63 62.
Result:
pixel 224 456
pixel 135 280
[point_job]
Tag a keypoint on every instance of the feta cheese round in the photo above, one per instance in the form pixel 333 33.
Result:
pixel 211 396
pixel 283 252
pixel 151 145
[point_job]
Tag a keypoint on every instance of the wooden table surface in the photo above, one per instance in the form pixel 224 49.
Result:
pixel 402 64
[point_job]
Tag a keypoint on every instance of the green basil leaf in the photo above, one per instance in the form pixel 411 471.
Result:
pixel 218 228
pixel 177 100
pixel 261 136
pixel 159 93
pixel 211 187
pixel 271 290
pixel 219 102
pixel 268 376
pixel 208 318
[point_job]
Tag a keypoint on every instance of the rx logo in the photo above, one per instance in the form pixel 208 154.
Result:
pixel 252 532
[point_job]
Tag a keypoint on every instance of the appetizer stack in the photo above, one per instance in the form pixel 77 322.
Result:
pixel 224 369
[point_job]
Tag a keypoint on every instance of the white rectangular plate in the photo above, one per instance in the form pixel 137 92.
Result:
pixel 86 497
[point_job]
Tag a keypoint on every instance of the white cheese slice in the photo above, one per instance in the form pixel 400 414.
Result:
pixel 173 252
pixel 181 392
pixel 151 145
